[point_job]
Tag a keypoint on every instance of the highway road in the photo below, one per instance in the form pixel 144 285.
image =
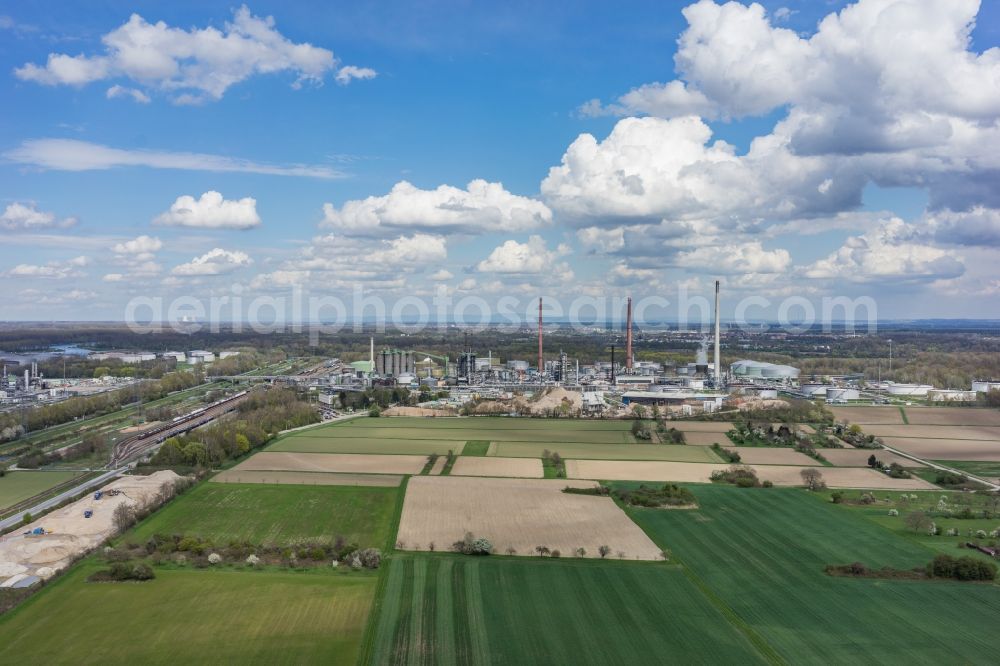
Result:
pixel 45 505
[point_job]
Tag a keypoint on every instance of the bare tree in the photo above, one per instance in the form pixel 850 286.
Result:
pixel 511 550
pixel 604 551
pixel 813 479
pixel 542 550
pixel 918 521
pixel 581 552
pixel 123 517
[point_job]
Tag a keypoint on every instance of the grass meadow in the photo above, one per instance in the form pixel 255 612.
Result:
pixel 18 486
pixel 263 513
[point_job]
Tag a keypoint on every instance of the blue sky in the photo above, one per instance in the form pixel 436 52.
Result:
pixel 454 92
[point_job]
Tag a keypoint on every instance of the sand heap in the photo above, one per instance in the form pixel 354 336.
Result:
pixel 69 534
pixel 541 403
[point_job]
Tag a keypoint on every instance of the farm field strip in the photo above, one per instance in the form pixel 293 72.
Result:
pixel 953 416
pixel 761 455
pixel 483 423
pixel 706 438
pixel 782 475
pixel 518 513
pixel 946 449
pixel 461 610
pixel 530 468
pixel 308 478
pixel 286 461
pixel 307 443
pixel 983 433
pixel 859 457
pixel 192 616
pixel 606 451
pixel 277 514
pixel 467 434
pixel 770 573
pixel 868 415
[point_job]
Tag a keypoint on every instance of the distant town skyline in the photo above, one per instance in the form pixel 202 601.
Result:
pixel 790 149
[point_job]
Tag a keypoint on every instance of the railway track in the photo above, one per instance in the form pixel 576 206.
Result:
pixel 139 443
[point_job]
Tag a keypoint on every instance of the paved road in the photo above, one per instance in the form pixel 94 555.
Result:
pixel 44 506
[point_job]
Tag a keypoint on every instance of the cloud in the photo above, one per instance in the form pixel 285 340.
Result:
pixel 650 169
pixel 440 275
pixel 520 258
pixel 734 258
pixel 480 208
pixel 141 247
pixel 137 96
pixel 113 277
pixel 600 240
pixel 193 65
pixel 281 279
pixel 214 262
pixel 887 254
pixel 413 249
pixel 978 226
pixel 26 217
pixel 53 270
pixel 211 211
pixel 348 73
pixel 73 155
pixel 884 91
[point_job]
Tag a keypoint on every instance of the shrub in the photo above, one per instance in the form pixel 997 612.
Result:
pixel 370 558
pixel 214 558
pixel 738 475
pixel 893 512
pixel 470 545
pixel 961 568
pixel 252 560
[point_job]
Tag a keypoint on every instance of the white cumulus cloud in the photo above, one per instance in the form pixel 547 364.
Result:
pixel 214 262
pixel 889 253
pixel 26 217
pixel 211 211
pixel 481 207
pixel 191 65
pixel 531 257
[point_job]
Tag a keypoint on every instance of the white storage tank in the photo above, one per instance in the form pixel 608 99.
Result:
pixel 838 394
pixel 919 390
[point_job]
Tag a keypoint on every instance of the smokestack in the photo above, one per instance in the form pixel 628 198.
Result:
pixel 541 360
pixel 628 338
pixel 718 367
pixel 371 353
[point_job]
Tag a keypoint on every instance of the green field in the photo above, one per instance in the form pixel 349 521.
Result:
pixel 476 448
pixel 984 469
pixel 191 616
pixel 486 429
pixel 927 501
pixel 304 443
pixel 449 609
pixel 677 453
pixel 760 554
pixel 482 423
pixel 18 486
pixel 278 514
